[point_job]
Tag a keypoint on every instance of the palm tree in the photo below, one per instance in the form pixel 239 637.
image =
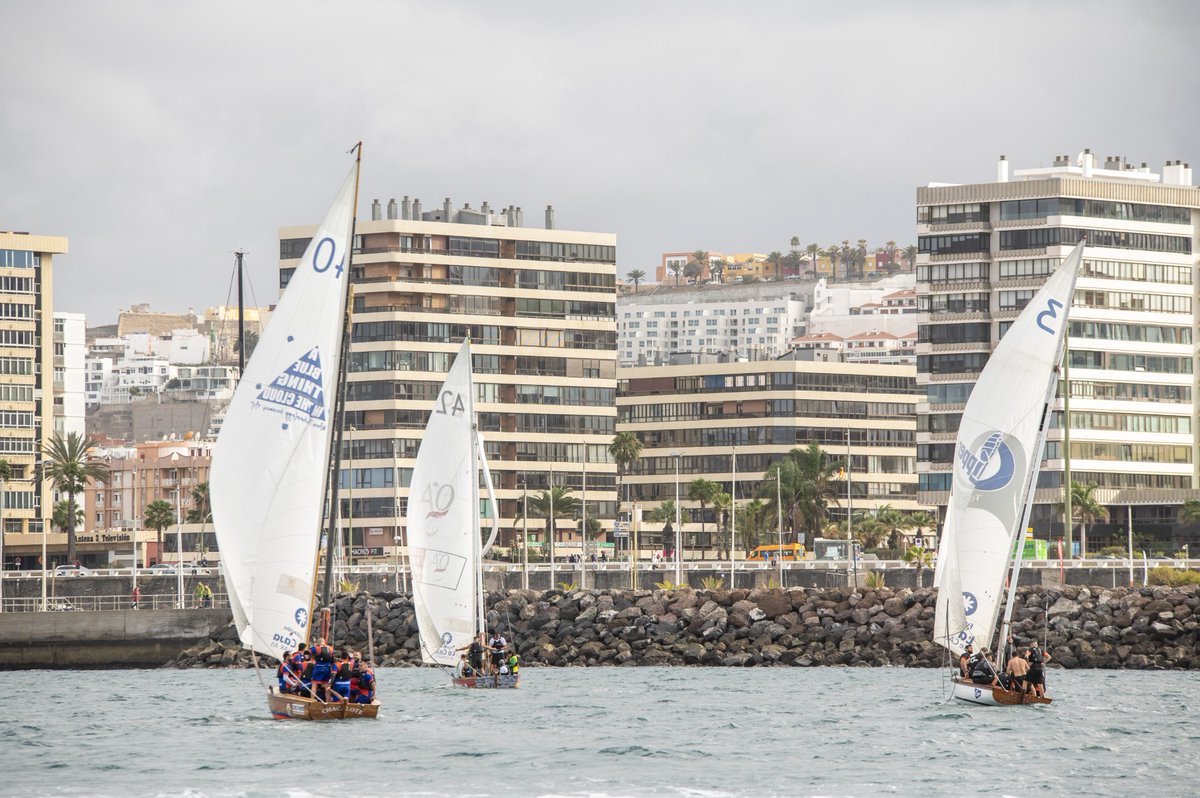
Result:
pixel 814 485
pixel 718 269
pixel 675 268
pixel 896 523
pixel 777 259
pixel 920 557
pixel 753 521
pixel 6 474
pixel 625 449
pixel 201 509
pixel 635 276
pixel 69 469
pixel 860 256
pixel 890 250
pixel 813 251
pixel 1086 508
pixel 59 519
pixel 910 256
pixel 721 503
pixel 702 490
pixel 924 522
pixel 701 259
pixel 869 530
pixel 831 252
pixel 558 497
pixel 664 514
pixel 1189 512
pixel 159 515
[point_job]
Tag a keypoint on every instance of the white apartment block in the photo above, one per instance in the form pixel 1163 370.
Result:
pixel 70 351
pixel 748 322
pixel 985 248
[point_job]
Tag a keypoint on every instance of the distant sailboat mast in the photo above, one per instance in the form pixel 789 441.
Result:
pixel 339 405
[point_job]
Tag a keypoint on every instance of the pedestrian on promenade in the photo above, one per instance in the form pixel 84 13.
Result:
pixel 136 596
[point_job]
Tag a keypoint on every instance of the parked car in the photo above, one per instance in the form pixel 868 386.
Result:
pixel 60 606
pixel 165 568
pixel 73 570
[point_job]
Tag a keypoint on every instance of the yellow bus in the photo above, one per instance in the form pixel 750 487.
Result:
pixel 791 551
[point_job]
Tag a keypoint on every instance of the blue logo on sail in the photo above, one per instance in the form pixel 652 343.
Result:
pixel 992 467
pixel 970 604
pixel 298 389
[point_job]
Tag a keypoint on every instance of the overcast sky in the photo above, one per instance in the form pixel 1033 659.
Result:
pixel 160 137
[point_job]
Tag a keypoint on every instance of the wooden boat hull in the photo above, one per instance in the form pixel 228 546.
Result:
pixel 989 696
pixel 296 707
pixel 493 681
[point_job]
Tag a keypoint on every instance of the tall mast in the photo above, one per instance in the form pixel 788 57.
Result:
pixel 339 406
pixel 240 255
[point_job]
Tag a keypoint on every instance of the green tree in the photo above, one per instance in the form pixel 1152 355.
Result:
pixel 776 258
pixel 833 253
pixel 201 509
pixel 1085 509
pixel 700 261
pixel 158 515
pixel 702 490
pixel 625 449
pixel 693 270
pixel 896 523
pixel 910 256
pixel 869 531
pixel 6 475
pixel 718 270
pixel 1189 512
pixel 814 251
pixel 60 519
pixel 924 524
pixel 921 557
pixel 635 276
pixel 860 256
pixel 565 506
pixel 754 523
pixel 69 468
pixel 664 514
pixel 807 478
pixel 675 268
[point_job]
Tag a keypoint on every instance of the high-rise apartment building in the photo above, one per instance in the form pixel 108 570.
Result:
pixel 70 352
pixel 539 306
pixel 985 249
pixel 26 374
pixel 692 420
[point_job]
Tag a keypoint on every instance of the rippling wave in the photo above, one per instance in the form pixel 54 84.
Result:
pixel 600 733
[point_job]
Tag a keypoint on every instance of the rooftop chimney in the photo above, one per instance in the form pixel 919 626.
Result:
pixel 406 208
pixel 1002 170
pixel 446 210
pixel 549 217
pixel 376 212
pixel 392 208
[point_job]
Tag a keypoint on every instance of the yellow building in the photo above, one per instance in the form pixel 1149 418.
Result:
pixel 26 372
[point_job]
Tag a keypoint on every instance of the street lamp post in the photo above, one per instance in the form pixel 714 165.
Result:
pixel 850 518
pixel 733 530
pixel 178 533
pixel 552 526
pixel 678 523
pixel 397 537
pixel 525 534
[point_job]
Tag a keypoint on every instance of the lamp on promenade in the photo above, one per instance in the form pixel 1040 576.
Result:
pixel 178 533
pixel 397 536
pixel 733 532
pixel 678 535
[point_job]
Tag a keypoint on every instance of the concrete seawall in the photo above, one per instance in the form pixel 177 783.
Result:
pixel 114 639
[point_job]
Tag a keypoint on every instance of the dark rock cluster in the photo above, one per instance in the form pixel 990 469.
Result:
pixel 1082 627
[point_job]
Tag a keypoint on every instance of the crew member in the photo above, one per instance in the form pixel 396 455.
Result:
pixel 322 655
pixel 1017 670
pixel 982 670
pixel 341 679
pixel 1037 670
pixel 964 661
pixel 498 646
pixel 514 664
pixel 287 682
pixel 366 687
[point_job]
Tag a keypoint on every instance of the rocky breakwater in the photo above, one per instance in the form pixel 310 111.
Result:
pixel 1082 627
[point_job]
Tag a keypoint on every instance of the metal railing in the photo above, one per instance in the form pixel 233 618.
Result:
pixel 155 601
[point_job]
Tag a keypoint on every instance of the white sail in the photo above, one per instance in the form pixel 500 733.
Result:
pixel 443 520
pixel 995 459
pixel 272 455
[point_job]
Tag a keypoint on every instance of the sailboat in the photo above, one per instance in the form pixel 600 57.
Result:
pixel 996 462
pixel 272 459
pixel 444 536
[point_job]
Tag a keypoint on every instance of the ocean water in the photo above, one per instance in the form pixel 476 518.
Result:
pixel 698 733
